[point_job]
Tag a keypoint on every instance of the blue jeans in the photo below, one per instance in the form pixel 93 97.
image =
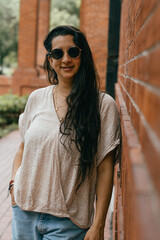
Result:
pixel 28 225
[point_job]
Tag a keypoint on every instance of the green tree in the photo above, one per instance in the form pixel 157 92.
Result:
pixel 65 12
pixel 9 17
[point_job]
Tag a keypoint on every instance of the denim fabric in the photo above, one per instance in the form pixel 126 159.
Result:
pixel 28 225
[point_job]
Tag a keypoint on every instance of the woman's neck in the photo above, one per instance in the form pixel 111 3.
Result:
pixel 64 89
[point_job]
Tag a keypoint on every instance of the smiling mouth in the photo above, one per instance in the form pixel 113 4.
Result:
pixel 67 68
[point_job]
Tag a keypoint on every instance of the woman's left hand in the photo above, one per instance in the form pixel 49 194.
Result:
pixel 95 233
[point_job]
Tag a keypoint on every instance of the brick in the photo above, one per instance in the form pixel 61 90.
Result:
pixel 147 8
pixel 42 28
pixel 138 68
pixel 91 20
pixel 137 4
pixel 5 84
pixel 30 81
pixel 139 96
pixel 27 33
pixel 140 12
pixel 147 101
pixel 148 221
pixel 153 68
pixel 133 91
pixel 151 154
pixel 151 110
pixel 141 179
pixel 128 85
pixel 135 118
pixel 141 42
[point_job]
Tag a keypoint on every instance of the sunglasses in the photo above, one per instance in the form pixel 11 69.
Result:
pixel 73 52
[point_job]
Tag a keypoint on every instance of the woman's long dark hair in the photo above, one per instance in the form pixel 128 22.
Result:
pixel 82 120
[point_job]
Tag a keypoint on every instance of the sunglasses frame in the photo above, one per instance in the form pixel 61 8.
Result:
pixel 67 53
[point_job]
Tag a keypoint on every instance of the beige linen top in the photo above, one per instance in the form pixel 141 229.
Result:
pixel 45 182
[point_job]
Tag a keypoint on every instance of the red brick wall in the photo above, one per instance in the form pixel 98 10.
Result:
pixel 94 16
pixel 137 204
pixel 27 34
pixel 5 84
pixel 43 28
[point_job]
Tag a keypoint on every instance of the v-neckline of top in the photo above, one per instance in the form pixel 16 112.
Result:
pixel 53 104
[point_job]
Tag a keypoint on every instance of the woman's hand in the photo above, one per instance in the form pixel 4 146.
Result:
pixel 12 196
pixel 95 233
pixel 16 164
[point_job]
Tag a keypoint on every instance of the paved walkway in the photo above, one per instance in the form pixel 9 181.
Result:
pixel 8 147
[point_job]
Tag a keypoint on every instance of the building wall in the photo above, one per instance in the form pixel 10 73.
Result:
pixel 137 179
pixel 94 17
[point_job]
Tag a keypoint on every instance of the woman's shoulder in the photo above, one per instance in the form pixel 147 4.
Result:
pixel 40 91
pixel 108 109
pixel 36 97
pixel 106 101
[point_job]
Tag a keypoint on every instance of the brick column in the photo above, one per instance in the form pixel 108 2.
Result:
pixel 34 21
pixel 43 28
pixel 94 18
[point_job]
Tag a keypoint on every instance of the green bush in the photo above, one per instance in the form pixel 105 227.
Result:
pixel 11 106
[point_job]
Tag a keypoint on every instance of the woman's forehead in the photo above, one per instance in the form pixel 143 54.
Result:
pixel 62 41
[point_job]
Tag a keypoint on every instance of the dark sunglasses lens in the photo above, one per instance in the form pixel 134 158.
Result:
pixel 57 53
pixel 73 52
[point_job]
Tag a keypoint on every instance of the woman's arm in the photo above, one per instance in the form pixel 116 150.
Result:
pixel 16 164
pixel 103 197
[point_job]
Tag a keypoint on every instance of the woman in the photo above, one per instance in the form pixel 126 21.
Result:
pixel 70 138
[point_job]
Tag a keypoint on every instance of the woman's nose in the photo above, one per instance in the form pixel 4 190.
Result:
pixel 66 57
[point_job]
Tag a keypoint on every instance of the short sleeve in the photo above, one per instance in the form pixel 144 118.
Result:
pixel 25 118
pixel 110 134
